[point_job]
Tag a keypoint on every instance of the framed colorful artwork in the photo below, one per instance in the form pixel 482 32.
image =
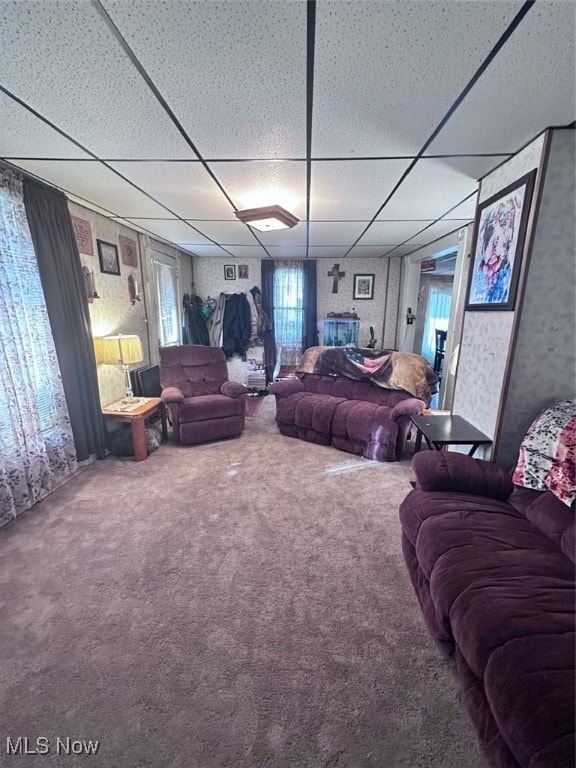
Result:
pixel 108 255
pixel 498 245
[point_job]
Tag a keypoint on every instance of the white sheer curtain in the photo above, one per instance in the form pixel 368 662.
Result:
pixel 437 316
pixel 36 442
pixel 289 309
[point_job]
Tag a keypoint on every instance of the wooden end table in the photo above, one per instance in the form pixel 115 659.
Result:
pixel 137 419
pixel 440 430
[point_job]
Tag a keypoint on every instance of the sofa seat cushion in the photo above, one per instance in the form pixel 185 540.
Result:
pixel 529 683
pixel 308 411
pixel 207 407
pixel 361 420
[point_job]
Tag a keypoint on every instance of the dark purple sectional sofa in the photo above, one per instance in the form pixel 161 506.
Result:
pixel 492 565
pixel 354 416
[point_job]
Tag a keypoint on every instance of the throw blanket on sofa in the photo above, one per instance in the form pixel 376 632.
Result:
pixel 384 368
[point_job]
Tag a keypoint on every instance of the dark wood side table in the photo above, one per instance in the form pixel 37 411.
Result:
pixel 440 430
pixel 137 419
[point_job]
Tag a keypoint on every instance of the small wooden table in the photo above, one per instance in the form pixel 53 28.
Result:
pixel 137 418
pixel 440 430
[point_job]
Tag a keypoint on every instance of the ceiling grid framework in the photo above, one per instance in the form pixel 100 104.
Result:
pixel 370 121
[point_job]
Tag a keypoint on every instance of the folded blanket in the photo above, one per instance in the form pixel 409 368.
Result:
pixel 383 367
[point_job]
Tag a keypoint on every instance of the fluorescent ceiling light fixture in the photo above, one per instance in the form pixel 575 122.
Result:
pixel 268 218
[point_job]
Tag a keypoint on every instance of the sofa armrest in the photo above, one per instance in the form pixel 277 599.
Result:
pixel 285 388
pixel 451 471
pixel 233 389
pixel 172 395
pixel 409 407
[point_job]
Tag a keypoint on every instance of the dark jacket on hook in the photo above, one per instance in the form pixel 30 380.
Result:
pixel 194 329
pixel 236 326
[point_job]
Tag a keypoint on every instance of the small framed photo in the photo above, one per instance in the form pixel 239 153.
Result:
pixel 108 255
pixel 243 271
pixel 498 245
pixel 229 272
pixel 363 287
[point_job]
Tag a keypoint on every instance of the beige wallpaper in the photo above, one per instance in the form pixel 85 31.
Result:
pixel 544 366
pixel 486 336
pixel 113 312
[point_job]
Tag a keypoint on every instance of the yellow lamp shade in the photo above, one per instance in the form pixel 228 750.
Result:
pixel 118 350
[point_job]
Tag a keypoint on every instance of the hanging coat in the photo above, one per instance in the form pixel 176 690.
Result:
pixel 236 326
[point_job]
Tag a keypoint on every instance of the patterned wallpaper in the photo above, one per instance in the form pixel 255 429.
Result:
pixel 210 281
pixel 486 336
pixel 544 361
pixel 113 312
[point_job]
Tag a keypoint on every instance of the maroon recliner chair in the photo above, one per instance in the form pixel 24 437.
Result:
pixel 203 404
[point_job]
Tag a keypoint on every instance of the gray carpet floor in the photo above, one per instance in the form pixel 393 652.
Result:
pixel 236 604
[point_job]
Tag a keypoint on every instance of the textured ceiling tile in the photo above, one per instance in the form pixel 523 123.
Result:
pixel 227 232
pixel 186 188
pixel 233 72
pixel 335 232
pixel 530 85
pixel 203 250
pixel 175 231
pixel 439 229
pixel 254 184
pixel 96 183
pixel 392 232
pixel 28 136
pixel 354 189
pixel 385 72
pixel 449 185
pixel 61 59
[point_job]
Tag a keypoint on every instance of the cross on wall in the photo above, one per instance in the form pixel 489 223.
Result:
pixel 337 276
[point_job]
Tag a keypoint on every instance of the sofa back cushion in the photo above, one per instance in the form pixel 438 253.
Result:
pixel 340 386
pixel 195 369
pixel 551 516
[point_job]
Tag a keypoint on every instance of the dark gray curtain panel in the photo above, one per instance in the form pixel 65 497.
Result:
pixel 63 284
pixel 267 274
pixel 310 329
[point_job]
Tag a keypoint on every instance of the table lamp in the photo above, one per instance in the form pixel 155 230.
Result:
pixel 120 350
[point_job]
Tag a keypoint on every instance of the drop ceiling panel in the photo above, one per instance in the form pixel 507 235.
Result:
pixel 233 72
pixel 354 189
pixel 248 251
pixel 439 229
pixel 385 73
pixel 530 85
pixel 392 232
pixel 61 59
pixel 29 136
pixel 175 231
pixel 212 251
pixel 466 209
pixel 185 188
pixel 294 236
pixel 254 184
pixel 367 251
pixel 429 191
pixel 226 232
pixel 286 251
pixel 327 252
pixel 335 232
pixel 97 184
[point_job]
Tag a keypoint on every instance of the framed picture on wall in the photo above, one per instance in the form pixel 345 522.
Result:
pixel 243 271
pixel 497 246
pixel 108 256
pixel 363 287
pixel 229 272
pixel 129 251
pixel 83 234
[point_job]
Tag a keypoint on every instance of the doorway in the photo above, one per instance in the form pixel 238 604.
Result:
pixel 433 315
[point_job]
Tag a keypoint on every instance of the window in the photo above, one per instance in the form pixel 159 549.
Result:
pixel 168 307
pixel 289 310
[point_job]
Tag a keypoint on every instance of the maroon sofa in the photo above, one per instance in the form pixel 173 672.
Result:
pixel 492 565
pixel 354 416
